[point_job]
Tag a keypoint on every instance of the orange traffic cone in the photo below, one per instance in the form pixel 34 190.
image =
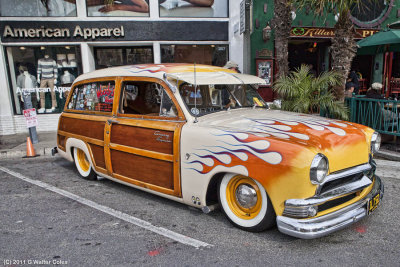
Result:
pixel 30 150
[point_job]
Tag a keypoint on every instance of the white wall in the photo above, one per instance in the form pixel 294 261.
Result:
pixel 235 39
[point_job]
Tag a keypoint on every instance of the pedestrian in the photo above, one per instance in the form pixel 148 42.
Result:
pixel 374 91
pixel 349 89
pixel 232 66
pixel 353 77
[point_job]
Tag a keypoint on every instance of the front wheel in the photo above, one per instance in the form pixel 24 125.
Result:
pixel 245 203
pixel 83 165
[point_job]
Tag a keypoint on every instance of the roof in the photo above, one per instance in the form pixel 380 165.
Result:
pixel 205 74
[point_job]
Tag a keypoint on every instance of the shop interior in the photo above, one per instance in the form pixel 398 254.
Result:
pixel 106 57
pixel 312 52
pixel 61 68
pixel 363 66
pixel 216 55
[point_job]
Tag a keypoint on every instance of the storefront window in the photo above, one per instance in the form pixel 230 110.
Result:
pixel 38 8
pixel 118 8
pixel 42 76
pixel 194 8
pixel 216 55
pixel 118 56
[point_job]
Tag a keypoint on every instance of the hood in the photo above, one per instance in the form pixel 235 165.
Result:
pixel 345 144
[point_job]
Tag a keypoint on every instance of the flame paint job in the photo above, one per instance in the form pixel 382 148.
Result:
pixel 276 148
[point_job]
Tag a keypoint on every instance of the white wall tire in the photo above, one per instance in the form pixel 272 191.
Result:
pixel 83 164
pixel 255 215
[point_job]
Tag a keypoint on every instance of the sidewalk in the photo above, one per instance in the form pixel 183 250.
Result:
pixel 14 146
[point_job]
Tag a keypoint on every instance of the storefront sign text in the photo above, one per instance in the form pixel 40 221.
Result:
pixel 305 32
pixel 43 32
pixel 27 91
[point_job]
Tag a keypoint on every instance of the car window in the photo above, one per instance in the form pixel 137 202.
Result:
pixel 146 98
pixel 212 98
pixel 96 96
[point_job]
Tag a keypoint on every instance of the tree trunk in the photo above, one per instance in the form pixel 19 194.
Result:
pixel 282 24
pixel 343 50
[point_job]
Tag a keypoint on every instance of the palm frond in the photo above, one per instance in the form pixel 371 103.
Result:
pixel 302 92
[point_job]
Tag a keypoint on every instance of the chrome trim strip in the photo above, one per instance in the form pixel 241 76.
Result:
pixel 331 194
pixel 321 226
pixel 344 173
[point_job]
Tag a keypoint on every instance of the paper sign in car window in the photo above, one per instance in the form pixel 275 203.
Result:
pixel 258 102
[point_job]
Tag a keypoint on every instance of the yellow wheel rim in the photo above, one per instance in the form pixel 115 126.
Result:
pixel 82 160
pixel 233 198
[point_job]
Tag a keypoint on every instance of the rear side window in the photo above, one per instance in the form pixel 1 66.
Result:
pixel 97 96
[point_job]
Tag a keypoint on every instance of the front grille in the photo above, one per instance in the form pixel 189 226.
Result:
pixel 336 202
pixel 338 182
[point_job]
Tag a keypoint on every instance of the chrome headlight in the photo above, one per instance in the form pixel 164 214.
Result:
pixel 319 169
pixel 375 142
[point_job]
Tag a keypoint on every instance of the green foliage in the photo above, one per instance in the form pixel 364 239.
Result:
pixel 303 92
pixel 321 6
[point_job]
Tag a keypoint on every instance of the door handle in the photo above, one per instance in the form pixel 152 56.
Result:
pixel 112 121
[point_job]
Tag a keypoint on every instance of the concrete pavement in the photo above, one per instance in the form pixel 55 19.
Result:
pixel 14 146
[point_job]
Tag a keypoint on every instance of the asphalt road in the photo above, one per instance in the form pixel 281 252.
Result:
pixel 38 225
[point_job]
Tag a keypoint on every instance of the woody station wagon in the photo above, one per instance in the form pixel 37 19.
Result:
pixel 201 135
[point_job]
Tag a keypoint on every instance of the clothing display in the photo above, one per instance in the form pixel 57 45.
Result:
pixel 47 68
pixel 26 81
pixel 61 60
pixel 47 73
pixel 67 78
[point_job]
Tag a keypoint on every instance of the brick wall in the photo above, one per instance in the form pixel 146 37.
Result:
pixel 16 124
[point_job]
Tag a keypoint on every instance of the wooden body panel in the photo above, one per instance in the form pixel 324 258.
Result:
pixel 148 170
pixel 89 129
pixel 143 138
pixel 83 127
pixel 146 153
pixel 98 155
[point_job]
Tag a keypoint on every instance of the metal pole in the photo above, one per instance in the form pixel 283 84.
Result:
pixel 246 39
pixel 32 130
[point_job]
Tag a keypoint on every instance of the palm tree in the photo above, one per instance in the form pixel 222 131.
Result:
pixel 282 24
pixel 343 48
pixel 303 92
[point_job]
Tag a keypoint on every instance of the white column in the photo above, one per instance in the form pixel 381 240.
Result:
pixel 154 13
pixel 81 8
pixel 157 52
pixel 87 58
pixel 5 100
pixel 235 38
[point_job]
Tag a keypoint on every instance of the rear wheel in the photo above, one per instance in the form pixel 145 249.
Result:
pixel 245 203
pixel 83 165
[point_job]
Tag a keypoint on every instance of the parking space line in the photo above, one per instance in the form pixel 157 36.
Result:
pixel 115 213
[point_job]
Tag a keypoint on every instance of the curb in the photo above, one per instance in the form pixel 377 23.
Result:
pixel 388 155
pixel 11 154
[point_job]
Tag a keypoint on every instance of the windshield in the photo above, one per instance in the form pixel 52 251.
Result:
pixel 211 98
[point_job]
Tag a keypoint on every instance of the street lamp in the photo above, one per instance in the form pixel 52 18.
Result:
pixel 266 33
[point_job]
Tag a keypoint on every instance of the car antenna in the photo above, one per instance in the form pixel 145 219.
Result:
pixel 195 93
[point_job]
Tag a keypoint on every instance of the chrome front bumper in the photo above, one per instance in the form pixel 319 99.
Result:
pixel 326 224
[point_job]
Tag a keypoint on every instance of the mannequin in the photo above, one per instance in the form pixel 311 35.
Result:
pixel 67 78
pixel 26 81
pixel 47 78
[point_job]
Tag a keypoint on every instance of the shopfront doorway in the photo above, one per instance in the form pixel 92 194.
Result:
pixel 363 65
pixel 311 52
